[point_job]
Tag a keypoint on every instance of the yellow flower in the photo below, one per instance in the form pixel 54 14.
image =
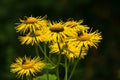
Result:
pixel 75 52
pixel 55 49
pixel 27 66
pixel 31 24
pixel 86 39
pixel 32 38
pixel 58 30
pixel 69 50
pixel 76 25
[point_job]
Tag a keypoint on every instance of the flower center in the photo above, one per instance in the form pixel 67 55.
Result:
pixel 31 20
pixel 84 37
pixel 27 65
pixel 57 28
pixel 71 23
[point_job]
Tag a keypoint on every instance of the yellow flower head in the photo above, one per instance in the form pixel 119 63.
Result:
pixel 76 25
pixel 32 38
pixel 75 52
pixel 58 30
pixel 31 24
pixel 69 50
pixel 27 66
pixel 86 39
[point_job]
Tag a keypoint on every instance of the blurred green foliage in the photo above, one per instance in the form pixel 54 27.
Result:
pixel 100 64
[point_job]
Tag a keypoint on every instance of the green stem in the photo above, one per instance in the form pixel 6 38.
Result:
pixel 47 73
pixel 57 67
pixel 66 69
pixel 36 50
pixel 57 72
pixel 28 78
pixel 45 55
pixel 74 67
pixel 44 47
pixel 59 59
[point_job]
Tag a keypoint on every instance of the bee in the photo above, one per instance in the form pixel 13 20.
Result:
pixel 23 61
pixel 79 33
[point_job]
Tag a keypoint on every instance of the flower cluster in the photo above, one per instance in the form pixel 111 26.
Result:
pixel 70 38
pixel 71 35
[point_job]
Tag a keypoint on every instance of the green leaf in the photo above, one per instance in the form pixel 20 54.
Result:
pixel 49 66
pixel 44 77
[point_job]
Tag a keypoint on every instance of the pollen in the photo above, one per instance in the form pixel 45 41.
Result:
pixel 57 28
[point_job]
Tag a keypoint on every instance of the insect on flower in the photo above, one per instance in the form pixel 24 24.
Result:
pixel 23 61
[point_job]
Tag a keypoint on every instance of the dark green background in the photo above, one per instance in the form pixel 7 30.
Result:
pixel 100 64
